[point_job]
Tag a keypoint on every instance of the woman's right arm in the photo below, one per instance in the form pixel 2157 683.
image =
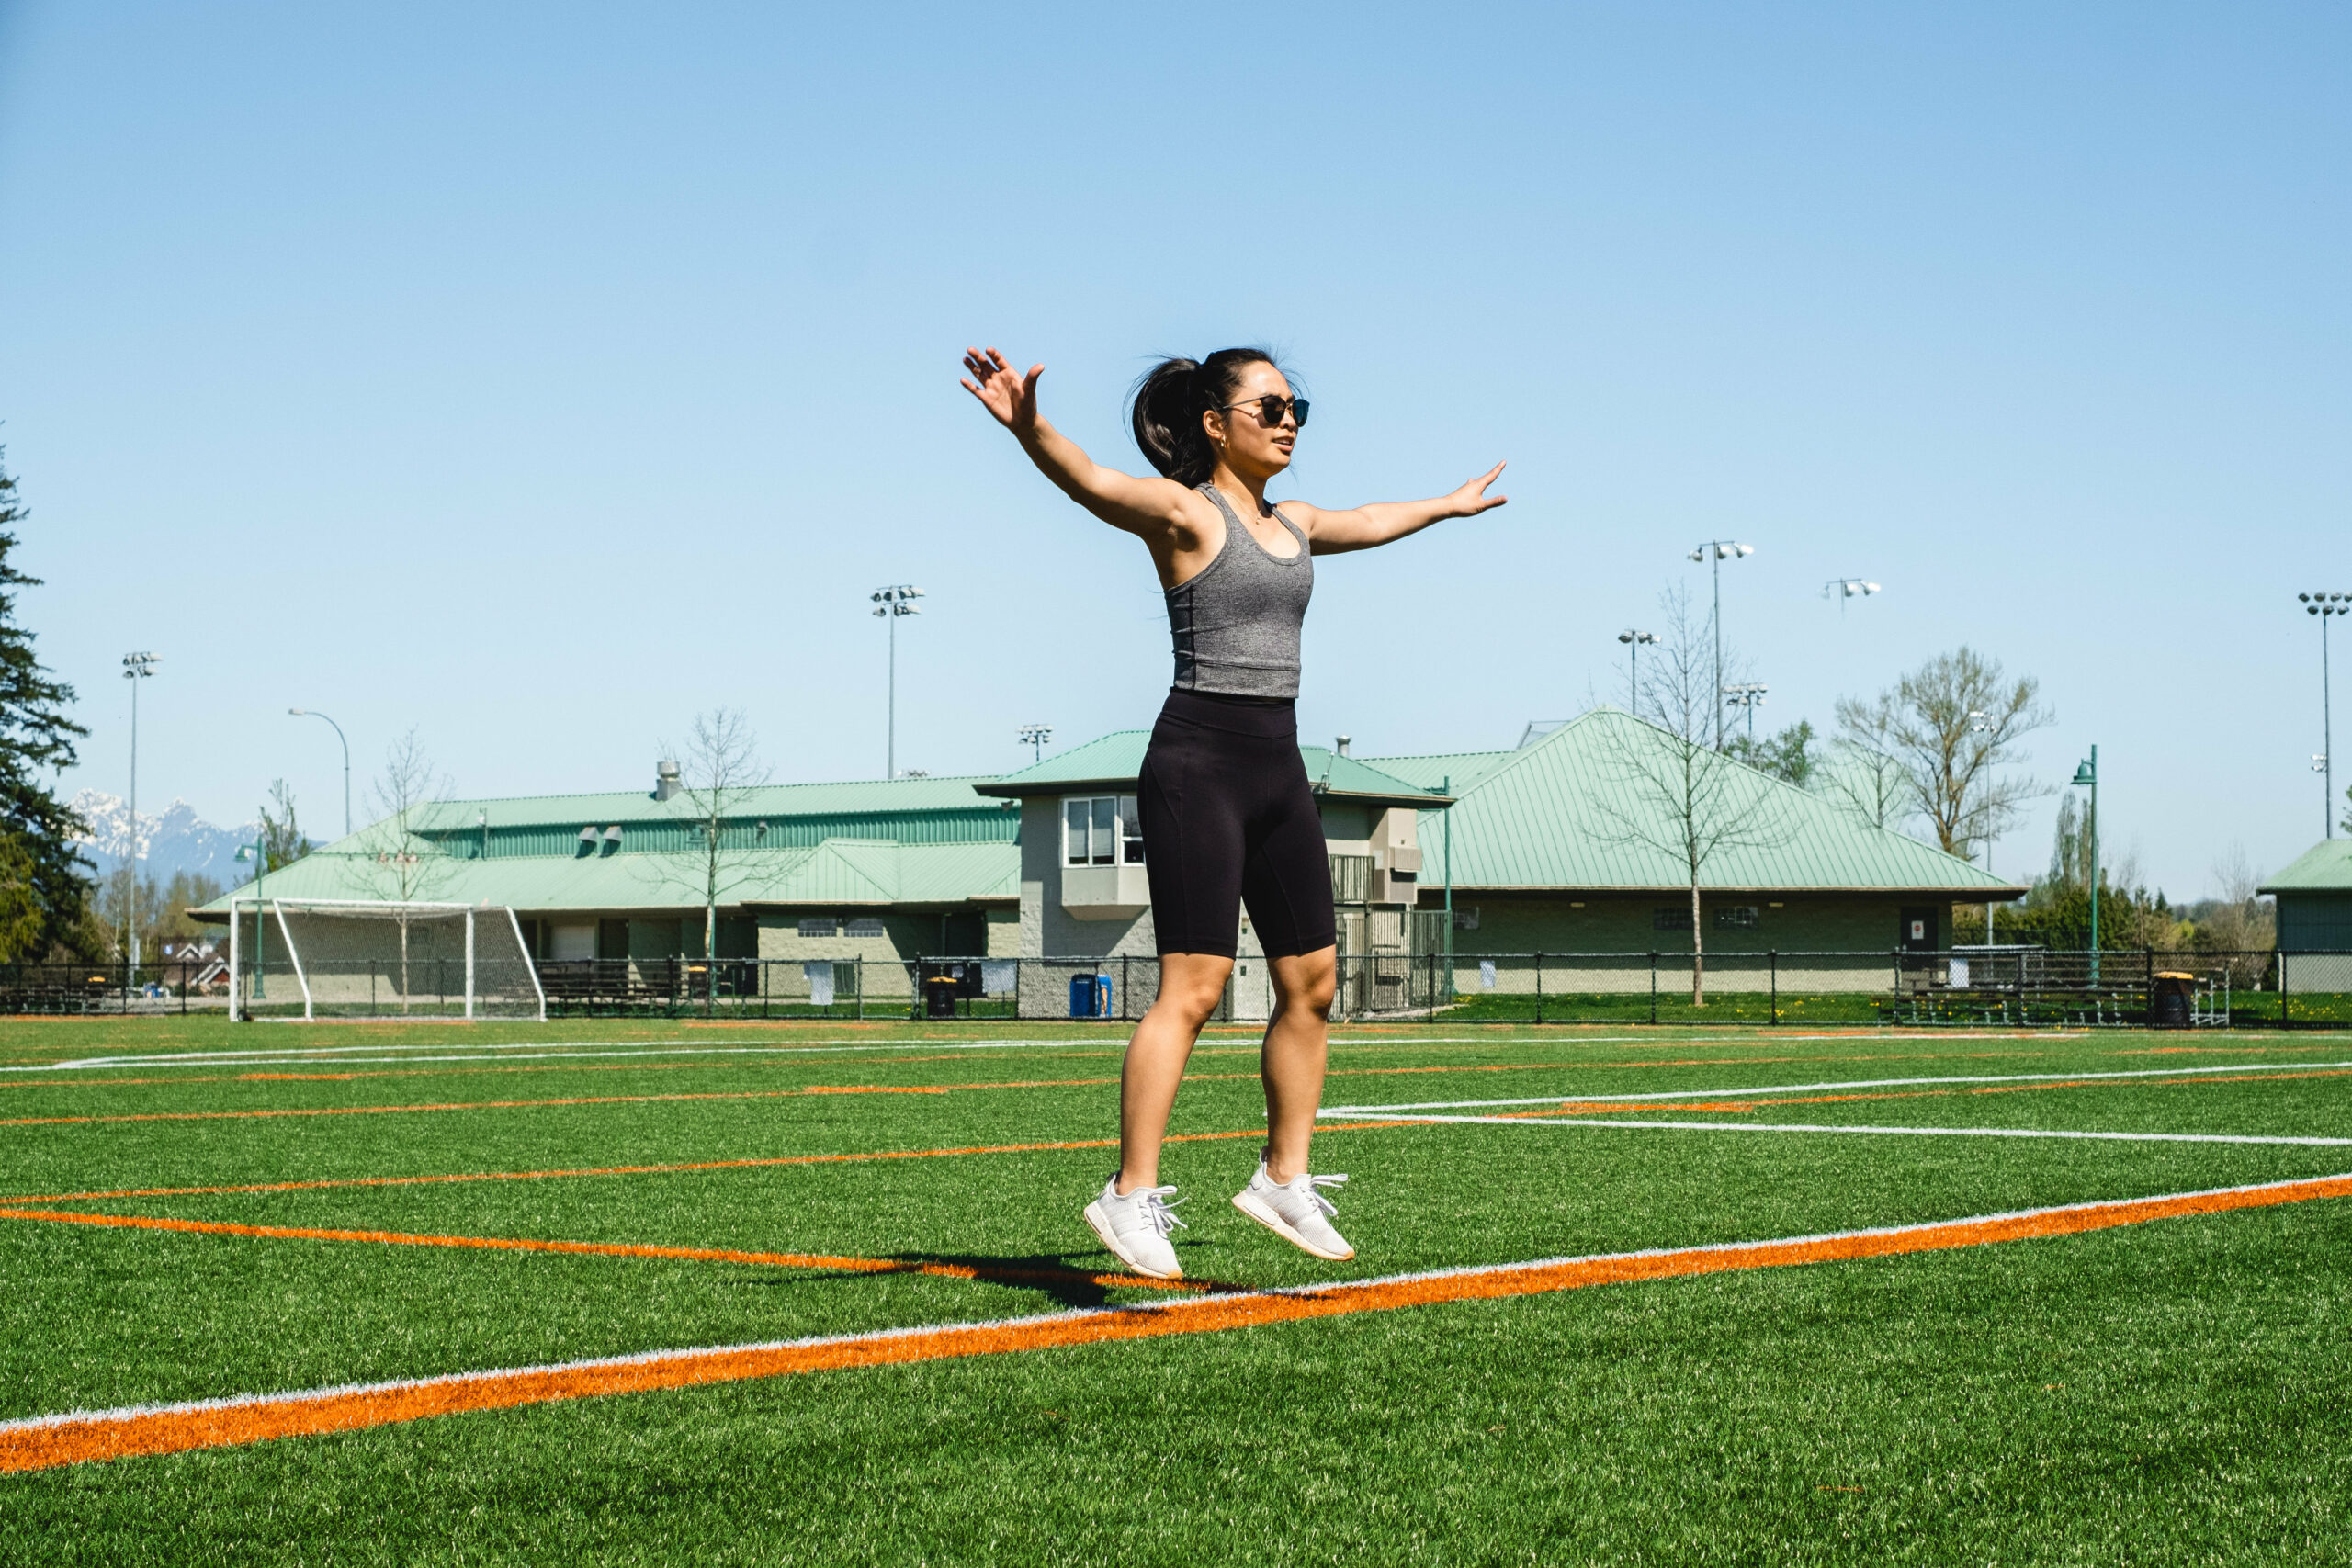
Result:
pixel 1152 507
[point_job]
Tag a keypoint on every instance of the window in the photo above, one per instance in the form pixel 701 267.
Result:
pixel 1735 917
pixel 1465 917
pixel 865 925
pixel 1102 829
pixel 819 925
pixel 1673 917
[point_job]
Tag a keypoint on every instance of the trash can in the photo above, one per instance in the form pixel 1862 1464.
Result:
pixel 1090 996
pixel 2170 996
pixel 939 995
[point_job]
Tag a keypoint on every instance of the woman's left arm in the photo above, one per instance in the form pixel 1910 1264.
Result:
pixel 1362 527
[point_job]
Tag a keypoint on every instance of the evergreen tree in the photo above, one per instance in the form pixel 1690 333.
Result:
pixel 36 740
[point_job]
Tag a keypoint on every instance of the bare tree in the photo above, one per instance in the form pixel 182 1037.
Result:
pixel 1952 724
pixel 1861 774
pixel 2240 922
pixel 720 767
pixel 399 862
pixel 1690 801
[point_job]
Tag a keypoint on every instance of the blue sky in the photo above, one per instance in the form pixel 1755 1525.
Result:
pixel 537 376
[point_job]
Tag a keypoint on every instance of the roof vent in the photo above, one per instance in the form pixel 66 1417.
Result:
pixel 666 780
pixel 1341 745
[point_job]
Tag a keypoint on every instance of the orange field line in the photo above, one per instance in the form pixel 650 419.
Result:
pixel 80 1436
pixel 465 1105
pixel 613 1250
pixel 747 1164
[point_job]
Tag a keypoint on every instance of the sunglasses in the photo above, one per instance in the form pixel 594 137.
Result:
pixel 1271 407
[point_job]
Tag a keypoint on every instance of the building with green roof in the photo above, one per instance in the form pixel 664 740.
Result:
pixel 1048 862
pixel 2314 893
pixel 1553 848
pixel 878 870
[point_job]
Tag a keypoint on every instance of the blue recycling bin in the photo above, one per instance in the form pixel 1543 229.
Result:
pixel 1090 996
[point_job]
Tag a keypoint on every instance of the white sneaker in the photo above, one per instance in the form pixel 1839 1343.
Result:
pixel 1295 1211
pixel 1136 1227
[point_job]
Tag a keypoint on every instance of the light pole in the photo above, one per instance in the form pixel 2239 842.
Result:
pixel 2087 775
pixel 2323 605
pixel 1845 588
pixel 313 713
pixel 1749 695
pixel 1716 552
pixel 891 603
pixel 1979 725
pixel 1632 640
pixel 136 667
pixel 1035 737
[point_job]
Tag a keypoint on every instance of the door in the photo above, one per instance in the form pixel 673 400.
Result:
pixel 1919 933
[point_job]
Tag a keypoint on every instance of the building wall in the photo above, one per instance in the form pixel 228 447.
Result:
pixel 1866 924
pixel 2314 921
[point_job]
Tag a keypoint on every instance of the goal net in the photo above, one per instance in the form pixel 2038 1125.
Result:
pixel 359 958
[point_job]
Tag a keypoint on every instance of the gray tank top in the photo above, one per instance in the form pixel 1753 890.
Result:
pixel 1236 620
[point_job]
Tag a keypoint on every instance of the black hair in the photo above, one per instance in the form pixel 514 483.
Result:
pixel 1167 405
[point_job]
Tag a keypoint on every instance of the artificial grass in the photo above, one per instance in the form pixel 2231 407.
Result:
pixel 1671 1422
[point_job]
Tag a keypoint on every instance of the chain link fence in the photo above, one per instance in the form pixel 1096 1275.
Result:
pixel 2019 986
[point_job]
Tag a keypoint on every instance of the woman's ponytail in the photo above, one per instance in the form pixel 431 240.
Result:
pixel 1167 405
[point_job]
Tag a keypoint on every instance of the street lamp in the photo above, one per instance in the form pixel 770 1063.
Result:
pixel 891 604
pixel 1035 737
pixel 1749 695
pixel 136 667
pixel 1845 588
pixel 1632 640
pixel 2087 775
pixel 2324 606
pixel 1716 552
pixel 313 713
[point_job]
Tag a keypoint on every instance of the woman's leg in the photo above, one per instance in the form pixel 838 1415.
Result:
pixel 1298 1040
pixel 1190 984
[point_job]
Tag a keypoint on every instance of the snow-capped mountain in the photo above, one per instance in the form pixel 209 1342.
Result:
pixel 177 840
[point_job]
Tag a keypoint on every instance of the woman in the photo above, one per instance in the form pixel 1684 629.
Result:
pixel 1227 816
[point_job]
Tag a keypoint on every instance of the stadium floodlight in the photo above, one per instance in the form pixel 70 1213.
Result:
pixel 1035 737
pixel 1714 552
pixel 313 713
pixel 136 667
pixel 891 603
pixel 2323 605
pixel 1632 639
pixel 1845 588
pixel 1749 695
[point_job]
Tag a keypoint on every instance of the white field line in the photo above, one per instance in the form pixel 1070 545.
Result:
pixel 1901 1131
pixel 1192 1305
pixel 1605 1098
pixel 537 1051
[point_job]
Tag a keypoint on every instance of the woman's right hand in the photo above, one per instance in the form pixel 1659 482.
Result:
pixel 1012 399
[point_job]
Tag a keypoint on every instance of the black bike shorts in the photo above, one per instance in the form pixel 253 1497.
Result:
pixel 1228 821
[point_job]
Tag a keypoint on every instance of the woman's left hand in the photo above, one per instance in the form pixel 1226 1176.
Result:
pixel 1472 498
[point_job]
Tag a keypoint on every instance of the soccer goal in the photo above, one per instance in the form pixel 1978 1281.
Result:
pixel 366 958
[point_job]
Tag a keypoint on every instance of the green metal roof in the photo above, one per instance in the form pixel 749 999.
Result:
pixel 1458 770
pixel 1541 818
pixel 2325 867
pixel 1114 761
pixel 838 872
pixel 854 798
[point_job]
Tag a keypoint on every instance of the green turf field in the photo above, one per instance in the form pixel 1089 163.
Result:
pixel 2174 1390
